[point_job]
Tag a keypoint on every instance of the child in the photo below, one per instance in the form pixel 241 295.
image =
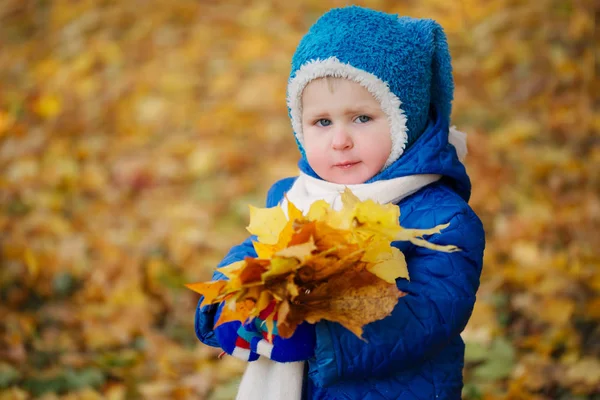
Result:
pixel 370 97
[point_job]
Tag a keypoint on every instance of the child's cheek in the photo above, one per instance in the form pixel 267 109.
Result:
pixel 313 146
pixel 317 157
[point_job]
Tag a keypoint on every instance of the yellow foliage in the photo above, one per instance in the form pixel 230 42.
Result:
pixel 333 265
pixel 146 132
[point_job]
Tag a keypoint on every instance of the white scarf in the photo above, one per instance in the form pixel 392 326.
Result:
pixel 269 380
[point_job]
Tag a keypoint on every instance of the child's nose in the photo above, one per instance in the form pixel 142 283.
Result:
pixel 341 139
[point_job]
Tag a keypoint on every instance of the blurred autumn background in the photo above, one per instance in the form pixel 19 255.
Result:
pixel 134 134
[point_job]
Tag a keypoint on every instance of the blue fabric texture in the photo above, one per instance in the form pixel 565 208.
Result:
pixel 299 347
pixel 409 54
pixel 227 334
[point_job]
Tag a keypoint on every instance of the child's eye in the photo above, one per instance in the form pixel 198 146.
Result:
pixel 323 122
pixel 362 119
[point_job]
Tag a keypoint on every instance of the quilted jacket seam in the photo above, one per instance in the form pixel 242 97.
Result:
pixel 433 378
pixel 338 350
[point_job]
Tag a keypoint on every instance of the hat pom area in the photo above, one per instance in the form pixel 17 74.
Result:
pixel 442 82
pixel 403 62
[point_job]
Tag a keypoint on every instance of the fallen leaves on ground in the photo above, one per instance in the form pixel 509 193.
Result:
pixel 132 140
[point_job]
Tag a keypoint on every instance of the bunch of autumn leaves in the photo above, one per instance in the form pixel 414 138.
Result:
pixel 334 265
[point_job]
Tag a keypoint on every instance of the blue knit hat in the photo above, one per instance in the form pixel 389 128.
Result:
pixel 403 62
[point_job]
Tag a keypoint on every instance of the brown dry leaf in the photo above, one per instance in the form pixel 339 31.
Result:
pixel 253 270
pixel 361 298
pixel 325 265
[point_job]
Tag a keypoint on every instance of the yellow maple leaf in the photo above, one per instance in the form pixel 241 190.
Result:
pixel 318 210
pixel 267 224
pixel 349 199
pixel 389 266
pixel 273 230
pixel 381 219
pixel 280 266
pixel 293 212
pixel 415 236
pixel 299 251
pixel 232 270
pixel 264 250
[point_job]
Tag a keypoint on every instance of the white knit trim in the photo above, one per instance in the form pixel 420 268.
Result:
pixel 390 103
pixel 242 354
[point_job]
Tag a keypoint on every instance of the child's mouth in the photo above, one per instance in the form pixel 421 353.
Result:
pixel 346 165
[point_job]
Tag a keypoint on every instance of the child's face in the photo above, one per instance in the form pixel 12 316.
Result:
pixel 346 134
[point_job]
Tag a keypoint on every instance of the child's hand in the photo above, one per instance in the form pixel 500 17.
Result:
pixel 229 340
pixel 299 347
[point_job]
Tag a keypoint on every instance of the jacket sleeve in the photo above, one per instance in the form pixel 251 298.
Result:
pixel 439 301
pixel 204 320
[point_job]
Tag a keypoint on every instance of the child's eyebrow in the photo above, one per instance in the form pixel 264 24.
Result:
pixel 308 114
pixel 360 109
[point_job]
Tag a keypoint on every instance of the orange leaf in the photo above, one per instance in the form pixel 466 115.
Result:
pixel 240 312
pixel 210 290
pixel 253 270
pixel 303 234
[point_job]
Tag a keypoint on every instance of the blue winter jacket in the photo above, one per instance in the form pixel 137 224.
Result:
pixel 416 352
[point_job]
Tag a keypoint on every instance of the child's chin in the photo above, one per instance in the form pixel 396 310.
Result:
pixel 347 179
